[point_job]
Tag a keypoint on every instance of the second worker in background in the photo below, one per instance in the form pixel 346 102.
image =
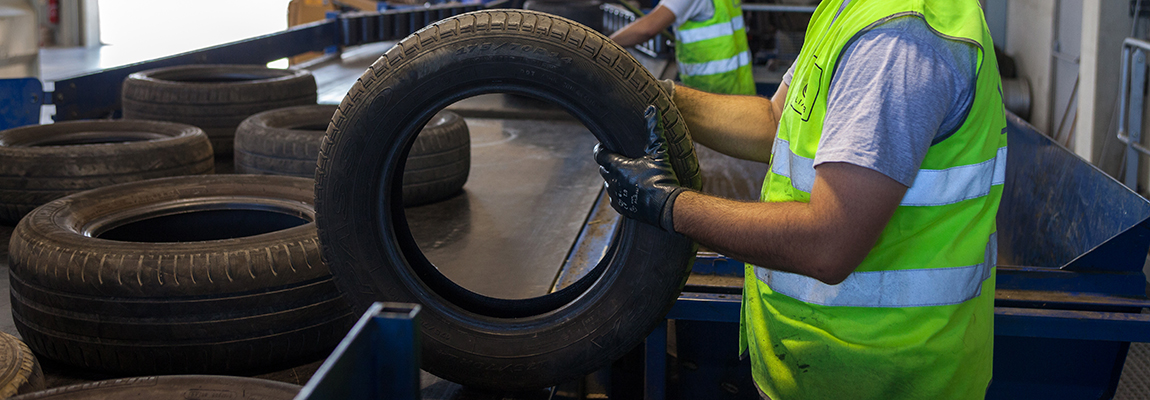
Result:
pixel 710 42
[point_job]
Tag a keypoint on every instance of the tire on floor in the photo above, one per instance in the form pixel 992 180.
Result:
pixel 202 274
pixel 470 338
pixel 171 387
pixel 215 98
pixel 45 162
pixel 286 142
pixel 19 370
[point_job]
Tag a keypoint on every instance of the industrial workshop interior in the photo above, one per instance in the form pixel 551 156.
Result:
pixel 569 200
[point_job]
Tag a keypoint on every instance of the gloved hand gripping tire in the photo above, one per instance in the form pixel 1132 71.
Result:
pixel 642 188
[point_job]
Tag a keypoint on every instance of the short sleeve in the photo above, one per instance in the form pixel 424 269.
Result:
pixel 895 89
pixel 689 10
pixel 790 74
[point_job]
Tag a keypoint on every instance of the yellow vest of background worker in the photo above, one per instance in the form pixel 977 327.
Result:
pixel 713 55
pixel 915 319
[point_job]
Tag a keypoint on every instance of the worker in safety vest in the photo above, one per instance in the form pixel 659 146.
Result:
pixel 870 260
pixel 710 42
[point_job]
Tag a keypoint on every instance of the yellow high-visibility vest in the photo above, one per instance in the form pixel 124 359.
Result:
pixel 915 319
pixel 713 55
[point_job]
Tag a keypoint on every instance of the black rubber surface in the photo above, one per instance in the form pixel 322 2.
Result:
pixel 286 142
pixel 215 98
pixel 45 162
pixel 469 338
pixel 176 387
pixel 201 274
pixel 439 161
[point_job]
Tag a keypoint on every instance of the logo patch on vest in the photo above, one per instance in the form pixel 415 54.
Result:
pixel 809 91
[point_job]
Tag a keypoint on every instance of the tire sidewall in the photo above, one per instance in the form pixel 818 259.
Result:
pixel 59 224
pixel 357 214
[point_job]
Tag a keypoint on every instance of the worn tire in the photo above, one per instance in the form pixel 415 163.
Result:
pixel 286 142
pixel 215 98
pixel 41 163
pixel 19 370
pixel 469 338
pixel 199 274
pixel 176 387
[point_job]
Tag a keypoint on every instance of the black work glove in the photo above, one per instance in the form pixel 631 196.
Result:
pixel 642 188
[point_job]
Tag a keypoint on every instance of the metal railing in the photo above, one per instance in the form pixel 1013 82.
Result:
pixel 1130 127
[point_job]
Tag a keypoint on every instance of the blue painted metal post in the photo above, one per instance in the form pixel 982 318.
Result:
pixel 655 374
pixel 20 101
pixel 378 359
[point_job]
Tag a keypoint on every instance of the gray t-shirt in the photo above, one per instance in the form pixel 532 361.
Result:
pixel 897 89
pixel 689 10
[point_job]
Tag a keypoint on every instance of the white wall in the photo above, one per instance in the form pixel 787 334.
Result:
pixel 181 25
pixel 1029 33
pixel 1106 23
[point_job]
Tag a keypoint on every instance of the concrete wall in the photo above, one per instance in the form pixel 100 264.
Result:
pixel 1029 34
pixel 1065 53
pixel 1105 24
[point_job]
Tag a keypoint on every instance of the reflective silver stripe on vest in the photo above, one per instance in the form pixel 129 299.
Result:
pixel 932 187
pixel 710 31
pixel 899 288
pixel 716 67
pixel 946 186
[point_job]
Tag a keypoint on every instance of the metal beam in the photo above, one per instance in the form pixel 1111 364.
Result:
pixel 378 359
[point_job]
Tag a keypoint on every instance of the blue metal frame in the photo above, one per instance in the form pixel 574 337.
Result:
pixel 21 103
pixel 378 359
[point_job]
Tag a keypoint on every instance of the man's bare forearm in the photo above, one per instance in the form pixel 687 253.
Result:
pixel 644 28
pixel 739 126
pixel 825 239
pixel 780 236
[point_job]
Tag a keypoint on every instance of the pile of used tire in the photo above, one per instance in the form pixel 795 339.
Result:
pixel 130 257
pixel 286 141
pixel 194 274
pixel 45 162
pixel 215 98
pixel 222 272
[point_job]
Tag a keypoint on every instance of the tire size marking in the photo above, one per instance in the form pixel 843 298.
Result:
pixel 512 47
pixel 433 330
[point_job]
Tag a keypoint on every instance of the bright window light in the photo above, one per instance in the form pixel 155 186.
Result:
pixel 174 26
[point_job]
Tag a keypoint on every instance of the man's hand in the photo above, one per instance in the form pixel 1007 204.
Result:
pixel 642 188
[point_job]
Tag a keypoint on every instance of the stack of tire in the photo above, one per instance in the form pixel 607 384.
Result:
pixel 287 141
pixel 215 274
pixel 215 98
pixel 45 162
pixel 120 264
